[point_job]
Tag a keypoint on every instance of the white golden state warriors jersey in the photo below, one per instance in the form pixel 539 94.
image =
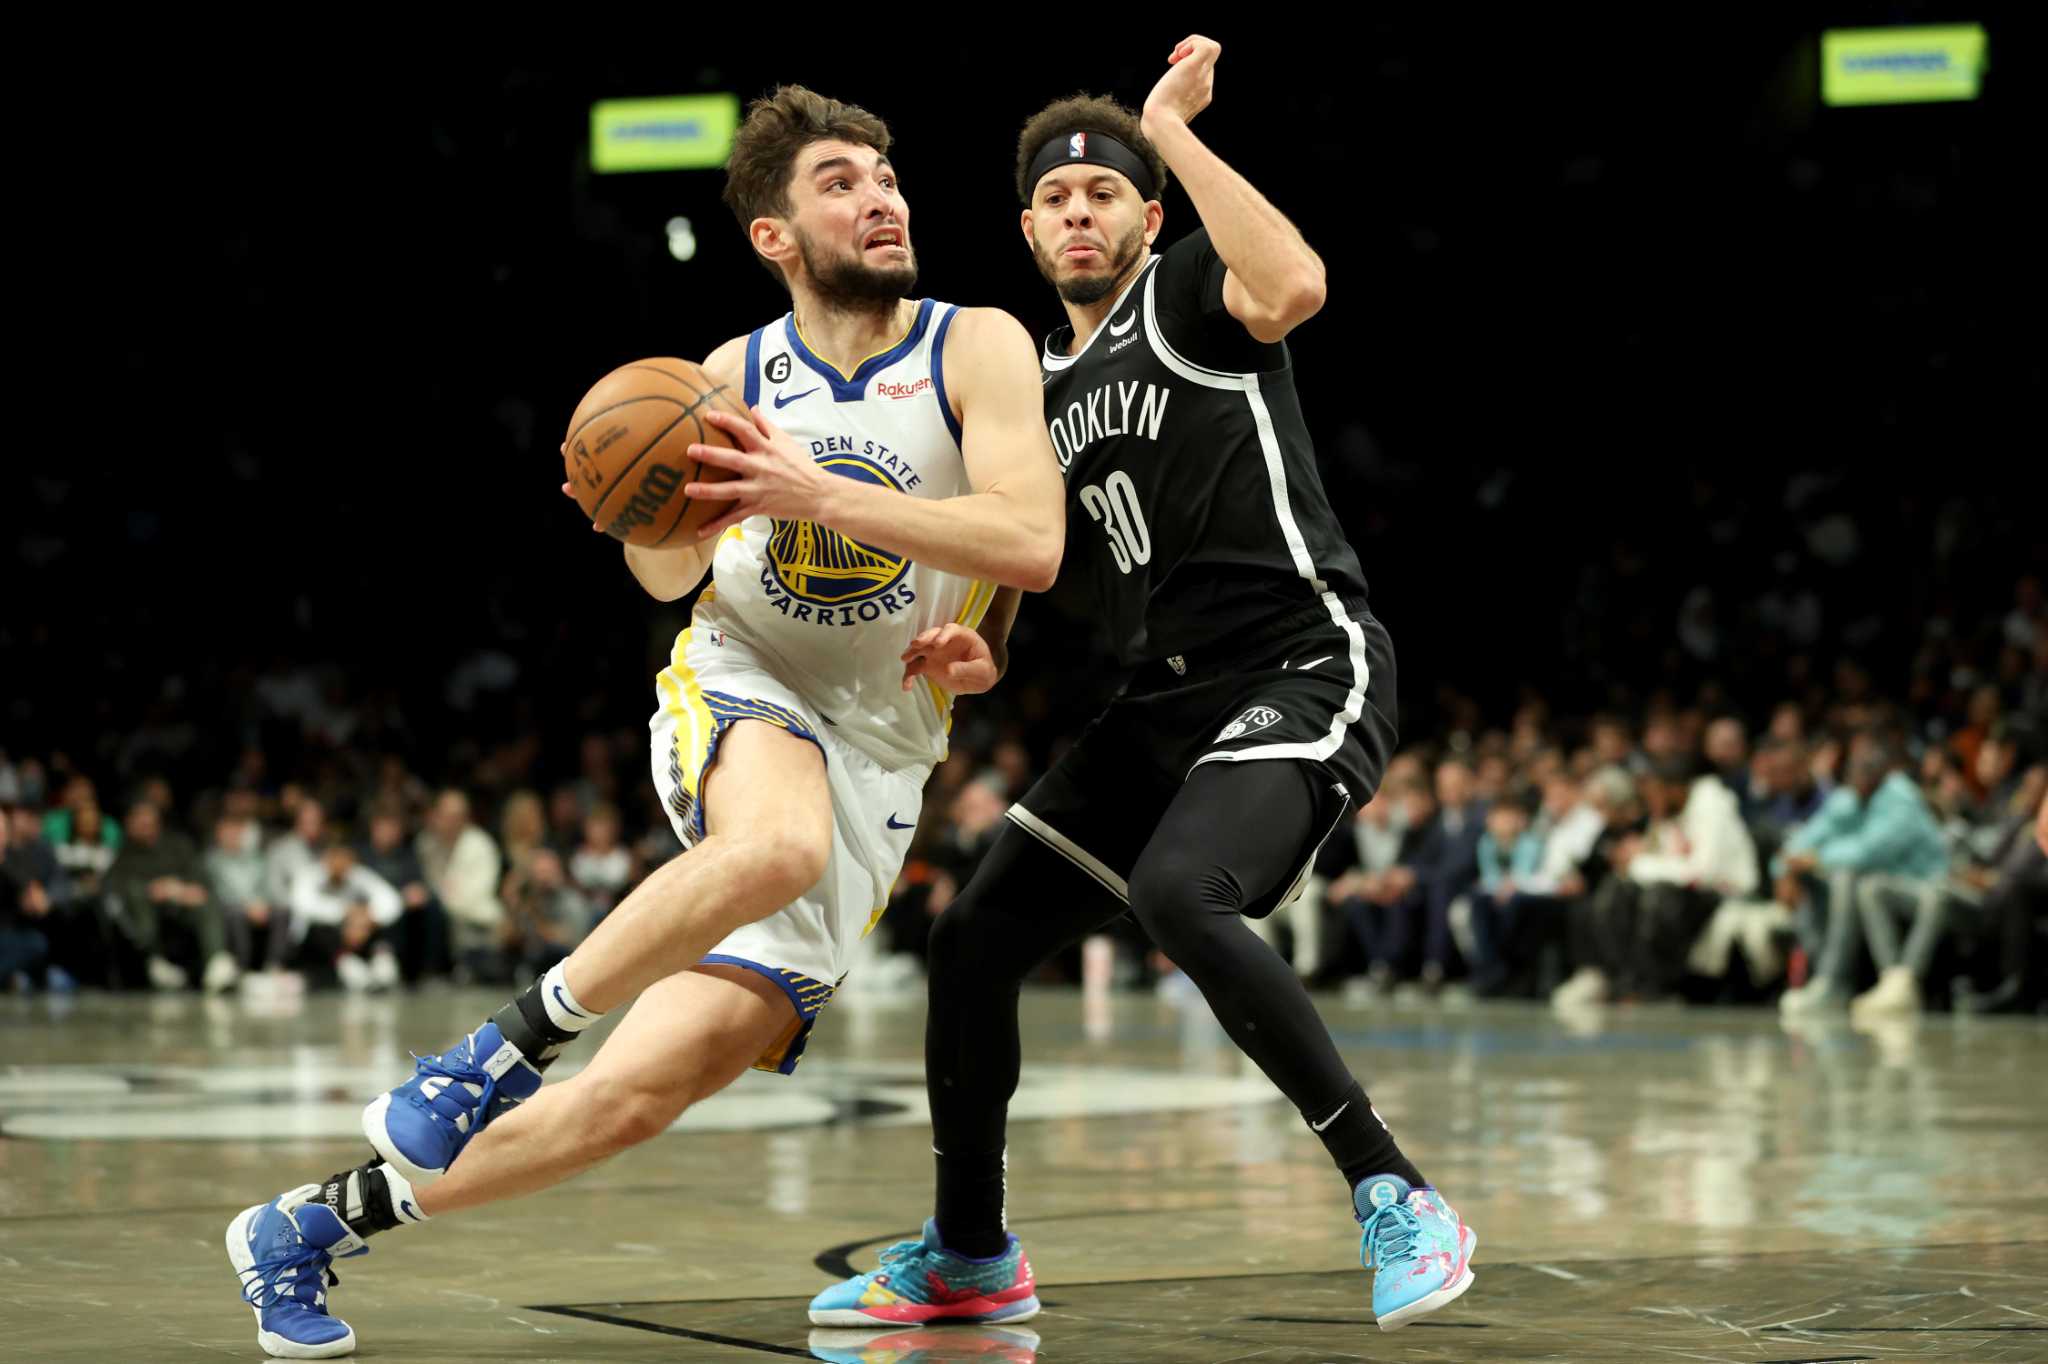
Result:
pixel 829 615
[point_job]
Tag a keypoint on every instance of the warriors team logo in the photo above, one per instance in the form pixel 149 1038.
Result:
pixel 1257 718
pixel 816 573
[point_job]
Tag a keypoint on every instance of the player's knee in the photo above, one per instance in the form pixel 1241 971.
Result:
pixel 977 939
pixel 1183 900
pixel 953 939
pixel 625 1116
pixel 792 859
pixel 1183 880
pixel 780 864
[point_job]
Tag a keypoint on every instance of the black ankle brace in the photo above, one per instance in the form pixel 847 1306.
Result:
pixel 360 1198
pixel 526 1025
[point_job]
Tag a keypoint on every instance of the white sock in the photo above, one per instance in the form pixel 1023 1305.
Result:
pixel 405 1204
pixel 560 1002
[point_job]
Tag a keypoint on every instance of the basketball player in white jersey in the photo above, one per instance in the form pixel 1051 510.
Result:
pixel 894 490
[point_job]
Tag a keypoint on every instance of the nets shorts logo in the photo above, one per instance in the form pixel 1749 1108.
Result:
pixel 1253 720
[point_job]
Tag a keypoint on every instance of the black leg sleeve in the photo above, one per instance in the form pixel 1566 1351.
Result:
pixel 1023 904
pixel 1206 862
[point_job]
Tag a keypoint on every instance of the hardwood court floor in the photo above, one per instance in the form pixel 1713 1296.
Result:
pixel 1651 1184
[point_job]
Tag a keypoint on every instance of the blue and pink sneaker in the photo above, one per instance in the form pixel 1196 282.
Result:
pixel 421 1126
pixel 922 1281
pixel 1419 1249
pixel 281 1251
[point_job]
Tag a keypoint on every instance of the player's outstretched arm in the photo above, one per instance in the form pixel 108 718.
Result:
pixel 1274 281
pixel 1011 529
pixel 670 572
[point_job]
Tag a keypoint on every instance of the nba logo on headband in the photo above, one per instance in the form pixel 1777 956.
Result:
pixel 1077 145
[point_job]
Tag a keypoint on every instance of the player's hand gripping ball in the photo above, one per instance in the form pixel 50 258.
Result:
pixel 627 457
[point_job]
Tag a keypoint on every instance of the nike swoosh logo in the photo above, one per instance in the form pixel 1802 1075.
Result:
pixel 566 1006
pixel 1130 318
pixel 1319 1126
pixel 1306 666
pixel 408 1209
pixel 782 402
pixel 894 825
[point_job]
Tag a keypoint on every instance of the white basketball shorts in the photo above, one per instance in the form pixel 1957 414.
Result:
pixel 712 683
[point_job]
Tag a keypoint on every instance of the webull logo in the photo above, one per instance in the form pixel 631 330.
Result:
pixel 657 486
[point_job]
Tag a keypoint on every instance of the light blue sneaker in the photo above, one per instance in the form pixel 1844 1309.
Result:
pixel 1419 1249
pixel 282 1251
pixel 420 1127
pixel 921 1281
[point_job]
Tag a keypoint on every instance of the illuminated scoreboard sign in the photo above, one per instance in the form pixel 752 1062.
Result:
pixel 1901 65
pixel 686 132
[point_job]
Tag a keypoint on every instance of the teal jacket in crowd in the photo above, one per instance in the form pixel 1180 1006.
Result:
pixel 1893 833
pixel 1524 860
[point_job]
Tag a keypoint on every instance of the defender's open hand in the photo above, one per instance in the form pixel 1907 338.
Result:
pixel 954 657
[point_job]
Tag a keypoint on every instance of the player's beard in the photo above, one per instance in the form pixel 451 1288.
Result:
pixel 1082 290
pixel 854 286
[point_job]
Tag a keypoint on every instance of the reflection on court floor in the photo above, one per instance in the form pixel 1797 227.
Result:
pixel 1935 1303
pixel 1650 1184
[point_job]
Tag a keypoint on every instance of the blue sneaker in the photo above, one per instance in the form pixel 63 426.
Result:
pixel 281 1251
pixel 921 1281
pixel 420 1127
pixel 1419 1249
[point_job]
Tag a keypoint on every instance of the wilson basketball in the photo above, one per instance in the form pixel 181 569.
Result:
pixel 627 451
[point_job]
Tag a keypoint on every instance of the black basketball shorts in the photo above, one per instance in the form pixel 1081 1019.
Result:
pixel 1319 691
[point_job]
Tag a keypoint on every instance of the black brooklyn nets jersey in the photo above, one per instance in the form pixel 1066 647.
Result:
pixel 1195 513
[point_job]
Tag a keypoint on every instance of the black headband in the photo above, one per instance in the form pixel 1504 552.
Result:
pixel 1091 149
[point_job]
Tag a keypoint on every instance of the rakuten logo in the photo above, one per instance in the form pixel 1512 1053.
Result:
pixel 885 389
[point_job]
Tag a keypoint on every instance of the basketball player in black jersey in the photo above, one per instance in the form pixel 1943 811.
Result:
pixel 1260 699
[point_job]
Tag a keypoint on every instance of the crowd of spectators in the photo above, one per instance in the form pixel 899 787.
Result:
pixel 1635 867
pixel 1837 849
pixel 408 888
pixel 1837 841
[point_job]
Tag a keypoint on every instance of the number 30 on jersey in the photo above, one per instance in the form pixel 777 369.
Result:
pixel 1114 504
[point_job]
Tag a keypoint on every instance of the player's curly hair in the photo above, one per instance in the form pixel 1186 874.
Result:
pixel 1084 114
pixel 779 125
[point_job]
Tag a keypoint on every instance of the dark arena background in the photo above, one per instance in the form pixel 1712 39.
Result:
pixel 1683 406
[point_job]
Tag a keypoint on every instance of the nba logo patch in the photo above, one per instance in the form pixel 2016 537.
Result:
pixel 1077 145
pixel 717 637
pixel 1257 718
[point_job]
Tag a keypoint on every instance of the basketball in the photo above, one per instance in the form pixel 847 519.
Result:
pixel 627 451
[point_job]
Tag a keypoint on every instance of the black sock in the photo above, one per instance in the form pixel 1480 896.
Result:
pixel 1359 1142
pixel 970 1211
